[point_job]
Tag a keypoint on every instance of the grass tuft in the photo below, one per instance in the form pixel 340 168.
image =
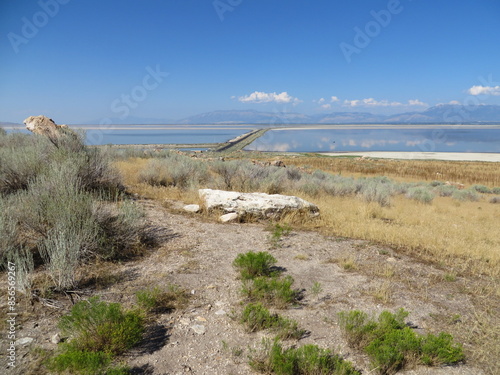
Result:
pixel 391 345
pixel 305 360
pixel 252 265
pixel 256 317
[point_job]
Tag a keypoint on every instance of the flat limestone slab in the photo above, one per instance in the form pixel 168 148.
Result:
pixel 259 204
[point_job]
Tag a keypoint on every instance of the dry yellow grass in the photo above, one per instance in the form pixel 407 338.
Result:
pixel 461 235
pixel 410 170
pixel 465 235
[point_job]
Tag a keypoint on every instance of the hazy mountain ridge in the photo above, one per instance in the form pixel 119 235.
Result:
pixel 443 113
pixel 439 114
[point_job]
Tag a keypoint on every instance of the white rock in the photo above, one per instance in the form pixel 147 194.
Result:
pixel 192 208
pixel 259 204
pixel 228 217
pixel 198 328
pixel 220 312
pixel 56 339
pixel 24 341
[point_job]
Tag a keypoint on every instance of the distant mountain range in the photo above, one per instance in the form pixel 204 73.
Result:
pixel 439 114
pixel 444 113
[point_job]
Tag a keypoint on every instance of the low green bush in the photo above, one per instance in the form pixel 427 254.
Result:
pixel 98 326
pixel 481 189
pixel 272 291
pixel 420 194
pixel 80 362
pixel 379 191
pixel 98 331
pixel 494 200
pixel 174 170
pixel 305 360
pixel 156 300
pixel 466 195
pixel 256 317
pixel 445 190
pixel 251 264
pixel 391 344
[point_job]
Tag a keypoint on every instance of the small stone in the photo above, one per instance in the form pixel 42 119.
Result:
pixel 184 321
pixel 24 341
pixel 192 208
pixel 198 328
pixel 391 259
pixel 200 319
pixel 56 339
pixel 220 312
pixel 228 217
pixel 211 286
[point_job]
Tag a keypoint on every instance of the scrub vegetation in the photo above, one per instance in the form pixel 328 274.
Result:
pixel 419 206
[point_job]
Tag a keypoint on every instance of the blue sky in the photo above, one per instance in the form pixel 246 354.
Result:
pixel 81 60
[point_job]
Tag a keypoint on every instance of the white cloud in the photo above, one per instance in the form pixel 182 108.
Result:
pixel 351 103
pixel 484 90
pixel 321 101
pixel 265 97
pixel 334 99
pixel 416 102
pixel 371 102
pixel 454 102
pixel 326 106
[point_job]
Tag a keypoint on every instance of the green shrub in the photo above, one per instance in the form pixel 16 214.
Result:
pixel 174 170
pixel 272 291
pixel 440 350
pixel 277 232
pixel 481 189
pixel 445 190
pixel 420 194
pixel 305 360
pixel 251 265
pixel 80 362
pixel 256 318
pixel 391 344
pixel 122 229
pixel 22 161
pixel 436 183
pixel 157 301
pixel 495 190
pixel 24 157
pixel 393 349
pixel 3 132
pixel 98 326
pixel 357 327
pixel 465 195
pixel 376 191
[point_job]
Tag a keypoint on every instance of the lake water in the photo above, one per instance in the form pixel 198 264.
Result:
pixel 155 134
pixel 314 138
pixel 405 139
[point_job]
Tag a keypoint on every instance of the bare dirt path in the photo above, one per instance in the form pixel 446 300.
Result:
pixel 205 337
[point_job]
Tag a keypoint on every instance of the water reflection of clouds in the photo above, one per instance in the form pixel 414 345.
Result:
pixel 310 140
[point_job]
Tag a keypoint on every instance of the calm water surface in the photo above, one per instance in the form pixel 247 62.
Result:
pixel 330 138
pixel 156 134
pixel 449 139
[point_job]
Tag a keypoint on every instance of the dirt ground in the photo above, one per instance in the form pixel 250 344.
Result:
pixel 196 253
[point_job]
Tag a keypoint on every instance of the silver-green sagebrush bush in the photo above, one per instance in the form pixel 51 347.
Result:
pixel 60 204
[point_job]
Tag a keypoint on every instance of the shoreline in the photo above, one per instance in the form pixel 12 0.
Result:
pixel 447 156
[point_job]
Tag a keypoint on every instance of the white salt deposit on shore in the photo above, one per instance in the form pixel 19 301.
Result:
pixel 454 156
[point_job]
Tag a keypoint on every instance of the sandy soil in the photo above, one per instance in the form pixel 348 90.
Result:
pixel 456 156
pixel 205 338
